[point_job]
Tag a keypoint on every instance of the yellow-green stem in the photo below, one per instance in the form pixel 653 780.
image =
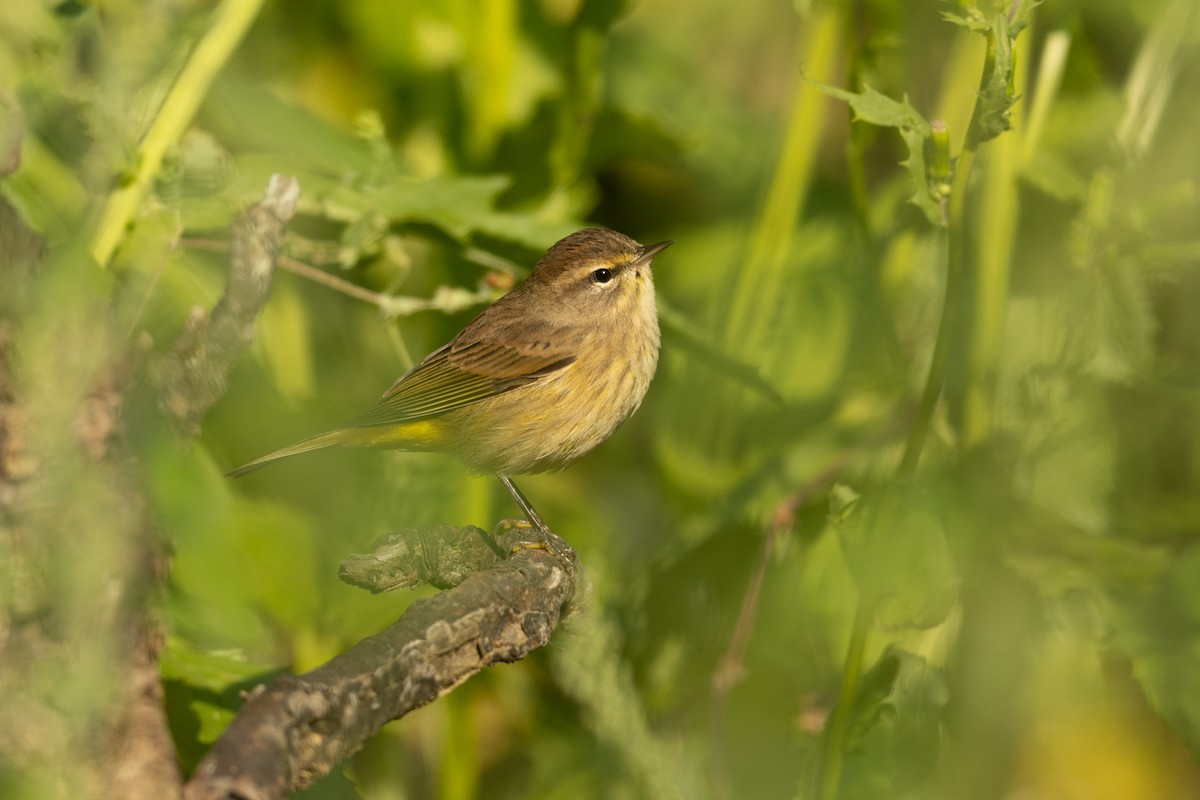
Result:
pixel 458 774
pixel 955 256
pixel 763 276
pixel 230 23
pixel 834 753
pixel 492 59
pixel 949 326
pixel 835 741
pixel 992 264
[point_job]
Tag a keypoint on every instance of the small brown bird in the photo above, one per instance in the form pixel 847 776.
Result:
pixel 537 380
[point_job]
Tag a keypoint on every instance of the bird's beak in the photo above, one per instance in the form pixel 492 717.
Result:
pixel 650 251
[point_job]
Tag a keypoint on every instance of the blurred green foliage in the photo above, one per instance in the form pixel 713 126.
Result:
pixel 1021 612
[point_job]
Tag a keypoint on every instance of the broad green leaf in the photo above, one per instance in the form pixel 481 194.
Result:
pixel 459 205
pixel 203 692
pixel 1110 308
pixel 1158 628
pixel 896 736
pixel 214 671
pixel 273 548
pixel 896 548
pixel 1059 558
pixel 1061 428
pixel 870 701
pixel 249 118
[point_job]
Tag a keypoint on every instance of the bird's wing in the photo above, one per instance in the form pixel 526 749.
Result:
pixel 467 371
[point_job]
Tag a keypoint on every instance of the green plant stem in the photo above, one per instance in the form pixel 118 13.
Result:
pixel 1051 67
pixel 459 771
pixel 491 62
pixel 992 264
pixel 995 243
pixel 584 76
pixel 955 258
pixel 230 23
pixel 834 753
pixel 763 275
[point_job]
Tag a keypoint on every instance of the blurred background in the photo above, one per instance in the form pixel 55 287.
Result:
pixel 1016 614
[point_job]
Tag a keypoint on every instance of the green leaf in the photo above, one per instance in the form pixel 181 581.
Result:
pixel 1059 558
pixel 1111 308
pixel 274 549
pixel 248 118
pixel 879 109
pixel 974 21
pixel 214 671
pixel 204 692
pixel 995 101
pixel 870 702
pixel 895 738
pixel 896 549
pixel 1159 629
pixel 458 205
pixel 1065 438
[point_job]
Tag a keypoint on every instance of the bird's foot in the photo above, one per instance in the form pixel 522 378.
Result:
pixel 544 539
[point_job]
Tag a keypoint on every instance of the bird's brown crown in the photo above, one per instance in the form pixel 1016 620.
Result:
pixel 590 246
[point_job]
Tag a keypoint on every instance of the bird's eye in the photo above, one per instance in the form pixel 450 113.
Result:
pixel 602 275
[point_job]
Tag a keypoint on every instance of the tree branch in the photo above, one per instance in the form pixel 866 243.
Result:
pixel 192 378
pixel 296 729
pixel 507 599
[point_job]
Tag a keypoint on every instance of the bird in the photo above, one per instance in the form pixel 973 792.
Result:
pixel 540 378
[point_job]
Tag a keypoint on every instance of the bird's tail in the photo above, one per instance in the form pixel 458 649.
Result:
pixel 327 439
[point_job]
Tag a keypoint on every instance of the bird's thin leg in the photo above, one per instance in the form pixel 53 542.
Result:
pixel 531 515
pixel 548 540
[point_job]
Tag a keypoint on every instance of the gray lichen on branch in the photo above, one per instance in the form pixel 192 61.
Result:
pixel 438 555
